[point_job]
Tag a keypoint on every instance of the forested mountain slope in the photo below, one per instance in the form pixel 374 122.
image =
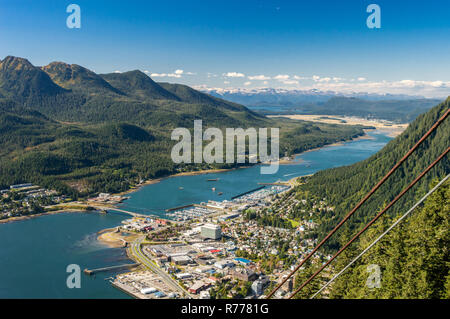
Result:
pixel 413 258
pixel 343 187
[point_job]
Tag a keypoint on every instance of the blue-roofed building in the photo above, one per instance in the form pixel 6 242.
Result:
pixel 243 260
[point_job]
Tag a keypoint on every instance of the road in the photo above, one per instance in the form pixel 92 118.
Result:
pixel 144 260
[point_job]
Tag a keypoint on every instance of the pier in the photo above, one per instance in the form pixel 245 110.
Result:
pixel 111 268
pixel 179 207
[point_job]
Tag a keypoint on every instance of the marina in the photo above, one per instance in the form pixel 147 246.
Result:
pixel 248 192
pixel 190 213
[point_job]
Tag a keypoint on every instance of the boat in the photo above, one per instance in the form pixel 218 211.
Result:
pixel 180 187
pixel 213 189
pixel 212 180
pixel 219 193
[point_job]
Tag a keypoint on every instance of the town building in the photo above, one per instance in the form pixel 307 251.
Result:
pixel 211 231
pixel 244 274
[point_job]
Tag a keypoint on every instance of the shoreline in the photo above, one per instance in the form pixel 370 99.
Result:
pixel 20 218
pixel 292 160
pixel 389 128
pixel 365 136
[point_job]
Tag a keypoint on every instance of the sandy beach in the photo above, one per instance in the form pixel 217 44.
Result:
pixel 115 239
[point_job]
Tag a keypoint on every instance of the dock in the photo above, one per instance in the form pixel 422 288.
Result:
pixel 248 192
pixel 111 268
pixel 179 207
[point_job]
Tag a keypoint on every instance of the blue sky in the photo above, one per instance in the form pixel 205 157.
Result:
pixel 243 44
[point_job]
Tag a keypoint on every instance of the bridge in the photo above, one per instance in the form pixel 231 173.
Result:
pixel 119 210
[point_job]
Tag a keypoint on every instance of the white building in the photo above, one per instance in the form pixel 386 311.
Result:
pixel 211 231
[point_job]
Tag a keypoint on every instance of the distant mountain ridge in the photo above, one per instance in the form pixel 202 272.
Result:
pixel 399 108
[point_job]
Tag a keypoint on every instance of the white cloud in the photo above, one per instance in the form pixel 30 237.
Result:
pixel 117 72
pixel 361 79
pixel 290 82
pixel 175 74
pixel 429 89
pixel 325 79
pixel 234 75
pixel 226 82
pixel 281 77
pixel 409 87
pixel 259 77
pixel 158 75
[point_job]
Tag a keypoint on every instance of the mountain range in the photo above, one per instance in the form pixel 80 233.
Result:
pixel 64 126
pixel 392 107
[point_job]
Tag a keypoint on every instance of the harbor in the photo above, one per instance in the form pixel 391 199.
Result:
pixel 74 236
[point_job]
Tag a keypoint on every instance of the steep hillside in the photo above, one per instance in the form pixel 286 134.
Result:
pixel 413 257
pixel 343 187
pixel 137 84
pixel 22 81
pixel 78 78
